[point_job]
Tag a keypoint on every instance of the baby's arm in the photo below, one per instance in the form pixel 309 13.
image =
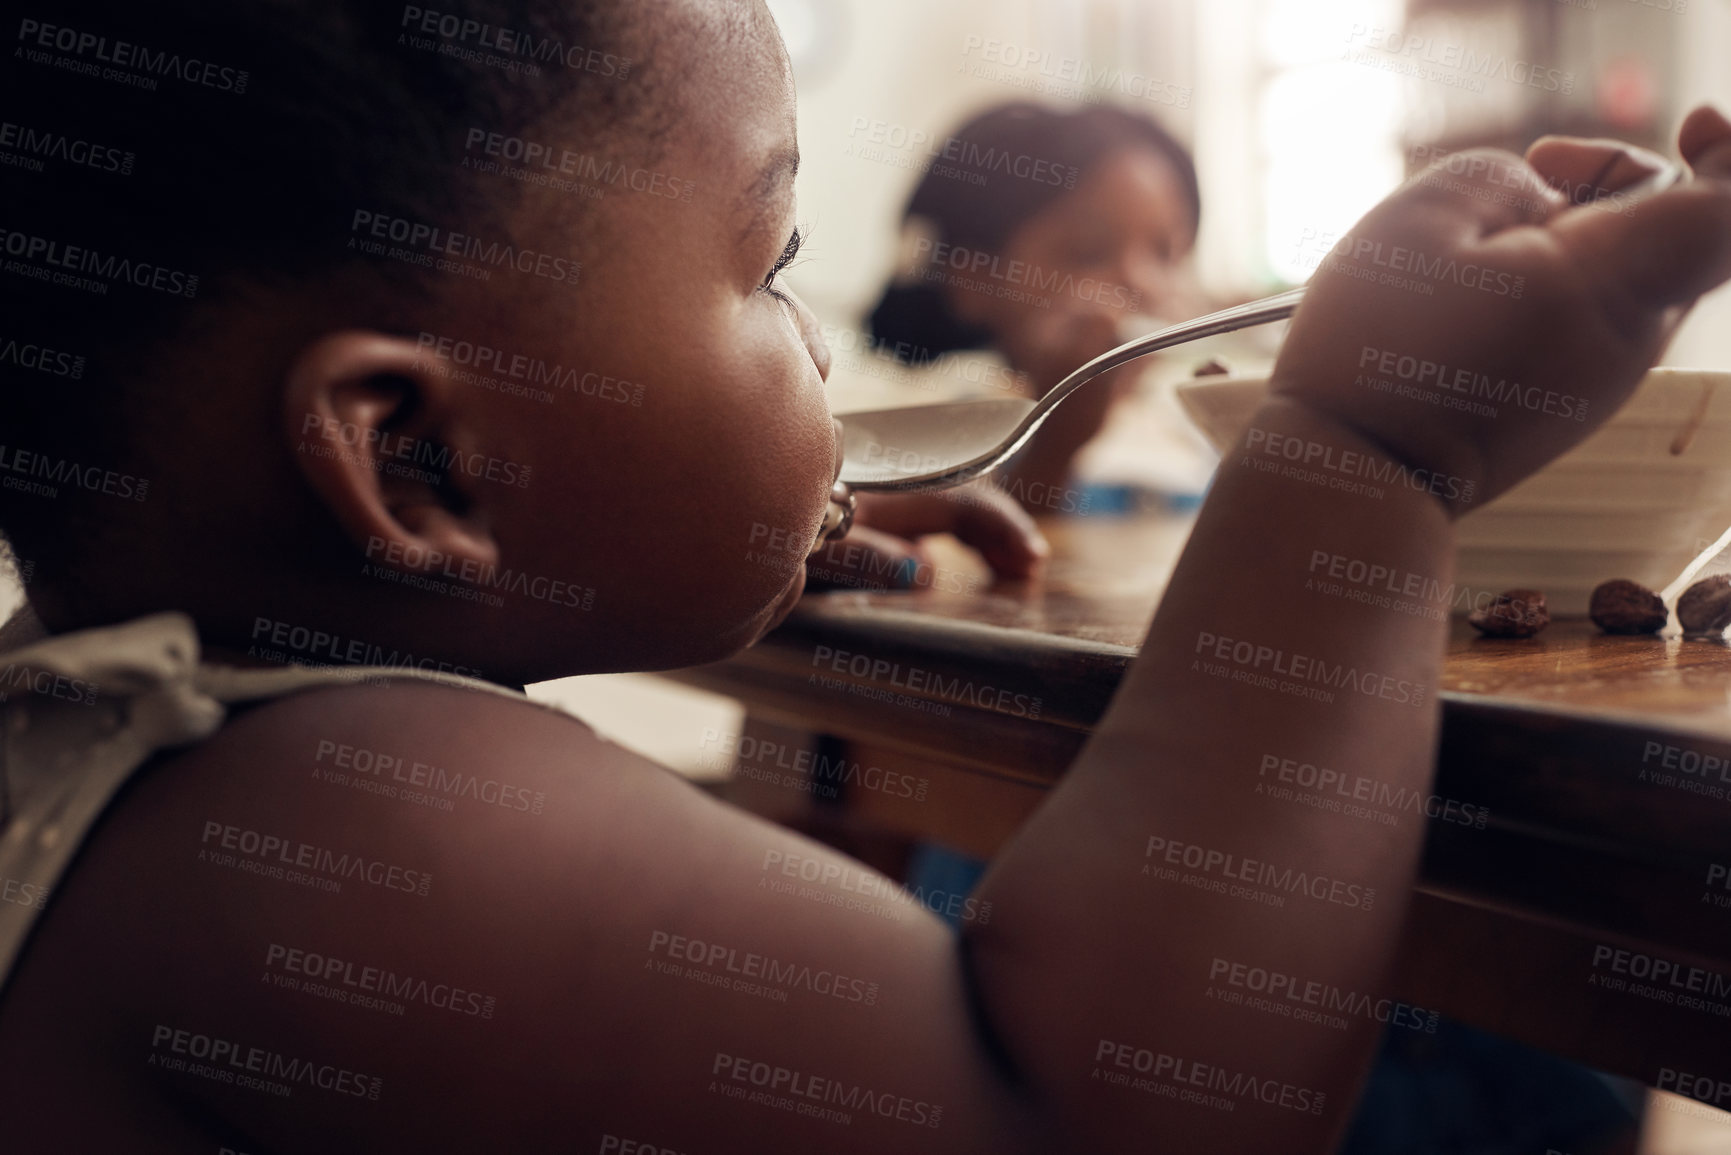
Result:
pixel 1334 475
pixel 1173 853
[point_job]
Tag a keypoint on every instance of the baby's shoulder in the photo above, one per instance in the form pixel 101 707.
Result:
pixel 398 739
pixel 408 712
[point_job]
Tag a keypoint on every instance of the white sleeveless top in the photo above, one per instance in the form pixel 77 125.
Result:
pixel 80 712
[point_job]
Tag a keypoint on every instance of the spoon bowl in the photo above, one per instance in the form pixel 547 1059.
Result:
pixel 886 446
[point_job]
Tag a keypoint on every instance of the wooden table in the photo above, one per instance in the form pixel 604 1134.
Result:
pixel 1604 763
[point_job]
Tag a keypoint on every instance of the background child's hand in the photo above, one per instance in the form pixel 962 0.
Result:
pixel 1488 272
pixel 880 550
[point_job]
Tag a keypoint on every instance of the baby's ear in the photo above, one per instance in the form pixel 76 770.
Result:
pixel 375 428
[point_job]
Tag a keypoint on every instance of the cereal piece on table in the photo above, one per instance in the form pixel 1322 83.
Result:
pixel 1621 606
pixel 1705 607
pixel 1514 614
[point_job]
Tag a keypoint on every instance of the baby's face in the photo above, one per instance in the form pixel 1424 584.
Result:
pixel 690 514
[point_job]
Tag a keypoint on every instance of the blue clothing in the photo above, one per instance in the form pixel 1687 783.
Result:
pixel 1457 1092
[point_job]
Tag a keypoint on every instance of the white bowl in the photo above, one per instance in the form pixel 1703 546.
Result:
pixel 1619 505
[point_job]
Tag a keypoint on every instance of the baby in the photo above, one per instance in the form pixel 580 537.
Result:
pixel 451 347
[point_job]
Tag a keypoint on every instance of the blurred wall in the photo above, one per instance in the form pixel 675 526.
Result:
pixel 899 75
pixel 881 80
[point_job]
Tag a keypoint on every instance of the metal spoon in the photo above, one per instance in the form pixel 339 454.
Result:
pixel 928 447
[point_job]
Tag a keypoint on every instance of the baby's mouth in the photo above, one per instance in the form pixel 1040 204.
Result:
pixel 838 516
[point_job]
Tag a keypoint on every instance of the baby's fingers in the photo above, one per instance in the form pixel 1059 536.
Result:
pixel 1473 194
pixel 867 559
pixel 1587 170
pixel 1705 141
pixel 994 523
pixel 980 516
pixel 1657 253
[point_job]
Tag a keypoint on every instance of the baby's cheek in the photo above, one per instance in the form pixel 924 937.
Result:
pixel 774 427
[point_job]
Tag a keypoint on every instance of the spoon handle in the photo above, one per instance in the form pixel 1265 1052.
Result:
pixel 1275 308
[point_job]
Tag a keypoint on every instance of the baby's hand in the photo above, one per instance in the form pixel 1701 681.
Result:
pixel 1479 322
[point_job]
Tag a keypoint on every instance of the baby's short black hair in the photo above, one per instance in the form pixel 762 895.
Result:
pixel 156 158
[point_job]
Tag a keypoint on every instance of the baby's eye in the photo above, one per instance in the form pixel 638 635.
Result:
pixel 781 263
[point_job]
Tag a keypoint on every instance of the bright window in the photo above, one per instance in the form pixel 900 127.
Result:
pixel 1300 136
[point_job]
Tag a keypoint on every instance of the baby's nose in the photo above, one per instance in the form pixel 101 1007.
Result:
pixel 812 333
